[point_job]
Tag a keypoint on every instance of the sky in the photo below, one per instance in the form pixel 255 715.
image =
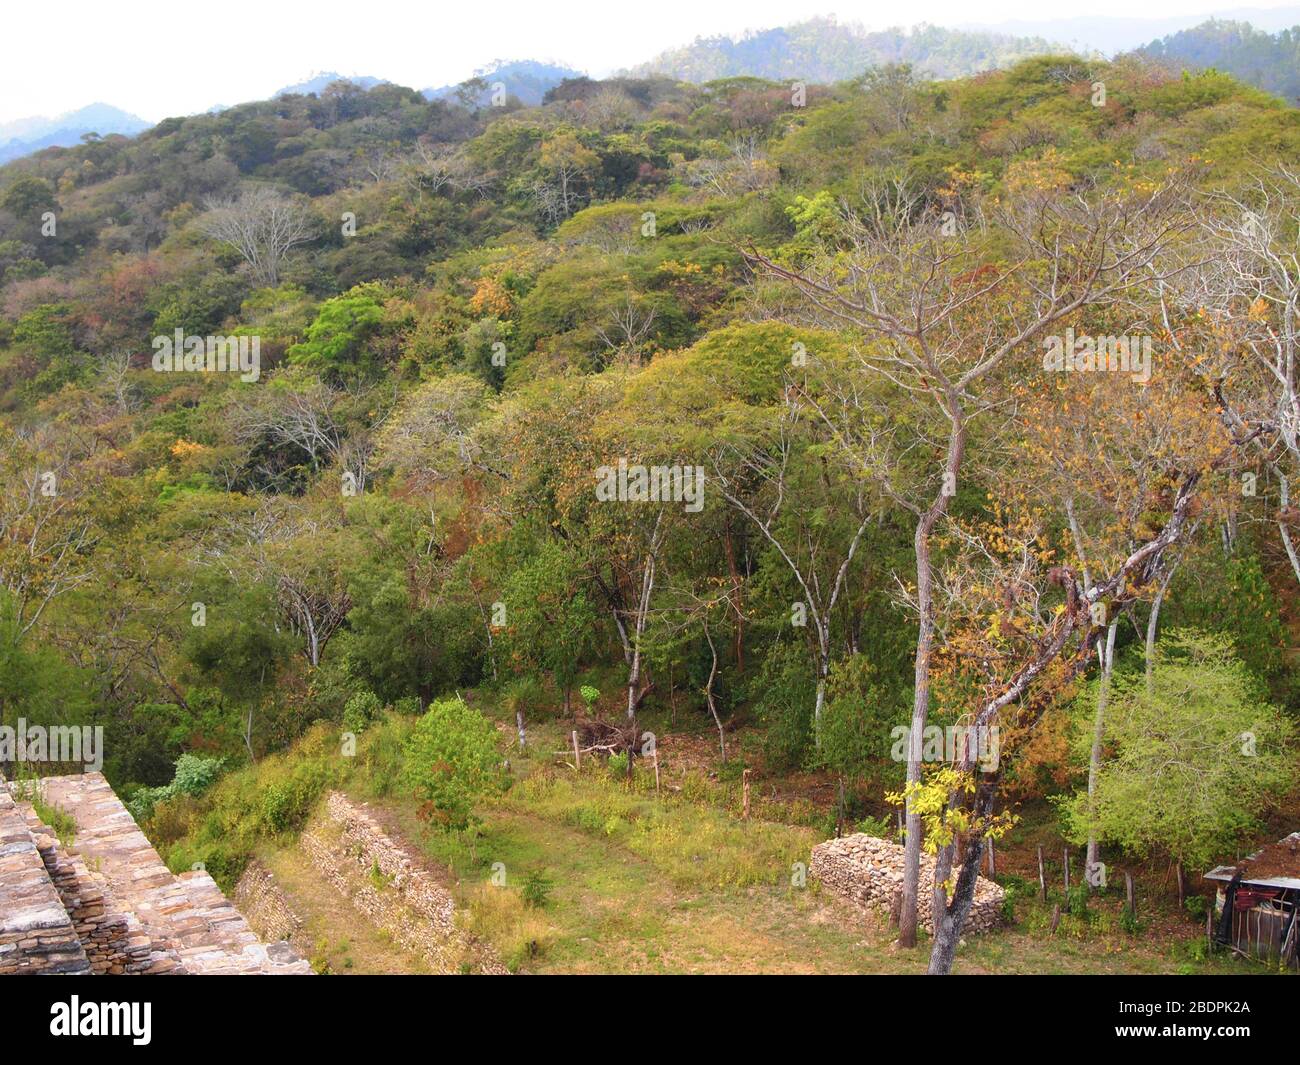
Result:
pixel 157 58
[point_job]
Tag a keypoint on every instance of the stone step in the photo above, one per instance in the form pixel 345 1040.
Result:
pixel 184 917
pixel 36 933
pixel 114 940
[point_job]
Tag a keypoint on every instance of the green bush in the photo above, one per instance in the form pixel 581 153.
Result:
pixel 536 889
pixel 361 710
pixel 194 775
pixel 288 800
pixel 451 759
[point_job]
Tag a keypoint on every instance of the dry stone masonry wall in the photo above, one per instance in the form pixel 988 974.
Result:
pixel 869 873
pixel 106 903
pixel 36 934
pixel 387 883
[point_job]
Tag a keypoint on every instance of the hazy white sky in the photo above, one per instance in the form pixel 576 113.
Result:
pixel 167 57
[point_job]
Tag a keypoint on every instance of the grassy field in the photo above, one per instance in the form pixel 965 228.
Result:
pixel 585 872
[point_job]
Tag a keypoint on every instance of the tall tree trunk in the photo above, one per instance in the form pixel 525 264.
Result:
pixel 921 689
pixel 1107 656
pixel 1284 501
pixel 738 585
pixel 708 694
pixel 1153 623
pixel 823 672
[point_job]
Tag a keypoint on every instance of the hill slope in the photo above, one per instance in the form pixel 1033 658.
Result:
pixel 823 50
pixel 1269 61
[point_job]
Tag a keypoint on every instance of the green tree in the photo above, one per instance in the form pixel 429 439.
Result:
pixel 451 760
pixel 1196 758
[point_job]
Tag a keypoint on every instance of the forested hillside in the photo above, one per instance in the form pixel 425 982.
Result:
pixel 1269 61
pixel 824 50
pixel 734 410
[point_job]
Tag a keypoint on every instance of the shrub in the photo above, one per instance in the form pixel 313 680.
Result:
pixel 451 759
pixel 536 890
pixel 360 711
pixel 407 705
pixel 194 775
pixel 287 801
pixel 1076 901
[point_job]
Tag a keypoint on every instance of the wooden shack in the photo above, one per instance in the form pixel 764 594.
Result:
pixel 1257 902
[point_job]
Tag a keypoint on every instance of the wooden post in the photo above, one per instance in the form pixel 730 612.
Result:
pixel 1209 929
pixel 839 813
pixel 1129 894
pixel 1182 889
pixel 744 784
pixel 1056 917
pixel 656 758
pixel 1042 876
pixel 577 758
pixel 988 847
pixel 1067 870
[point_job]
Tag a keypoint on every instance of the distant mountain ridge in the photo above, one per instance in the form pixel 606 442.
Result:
pixel 26 135
pixel 825 50
pixel 1269 61
pixel 316 83
pixel 1110 35
pixel 527 80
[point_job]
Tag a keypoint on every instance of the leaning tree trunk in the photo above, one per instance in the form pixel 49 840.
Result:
pixel 948 923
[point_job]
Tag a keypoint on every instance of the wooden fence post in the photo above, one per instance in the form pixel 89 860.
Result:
pixel 577 758
pixel 744 784
pixel 988 846
pixel 1067 870
pixel 1129 894
pixel 656 758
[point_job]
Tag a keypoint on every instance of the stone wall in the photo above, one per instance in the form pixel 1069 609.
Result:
pixel 36 935
pixel 105 903
pixel 268 910
pixel 869 873
pixel 386 882
pixel 112 937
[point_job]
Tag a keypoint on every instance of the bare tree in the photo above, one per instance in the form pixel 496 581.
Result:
pixel 1245 274
pixel 47 528
pixel 293 553
pixel 115 372
pixel 937 319
pixel 310 415
pixel 433 167
pixel 742 166
pixel 757 483
pixel 263 225
pixel 628 324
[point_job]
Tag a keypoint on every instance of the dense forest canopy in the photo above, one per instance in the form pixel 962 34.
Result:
pixel 491 356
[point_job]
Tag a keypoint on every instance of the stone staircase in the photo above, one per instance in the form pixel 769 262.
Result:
pixel 107 904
